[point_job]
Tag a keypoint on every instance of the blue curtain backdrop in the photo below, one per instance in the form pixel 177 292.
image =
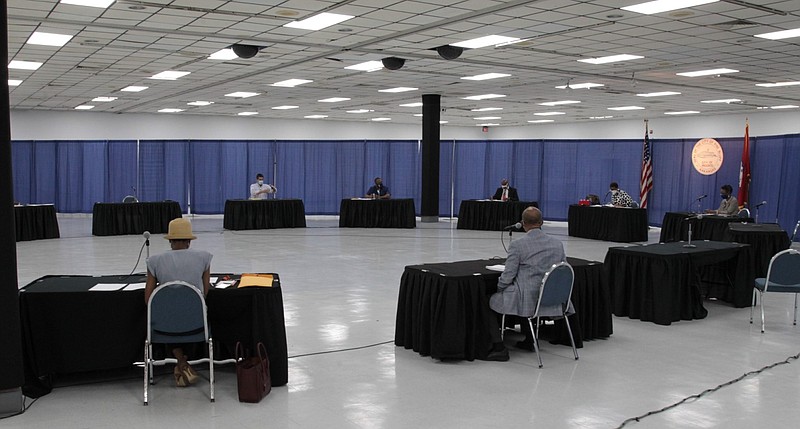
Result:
pixel 202 174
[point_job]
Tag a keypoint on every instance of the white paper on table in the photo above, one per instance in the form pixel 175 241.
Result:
pixel 499 267
pixel 224 284
pixel 107 286
pixel 212 280
pixel 134 286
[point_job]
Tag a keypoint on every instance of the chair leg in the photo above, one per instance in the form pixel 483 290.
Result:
pixel 795 310
pixel 146 371
pixel 571 338
pixel 535 335
pixel 752 305
pixel 502 326
pixel 761 302
pixel 211 368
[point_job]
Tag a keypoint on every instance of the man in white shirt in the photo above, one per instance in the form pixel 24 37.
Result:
pixel 260 190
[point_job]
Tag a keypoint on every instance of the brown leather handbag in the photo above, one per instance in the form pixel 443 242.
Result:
pixel 252 374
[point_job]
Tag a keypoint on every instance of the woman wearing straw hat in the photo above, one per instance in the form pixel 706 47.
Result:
pixel 184 264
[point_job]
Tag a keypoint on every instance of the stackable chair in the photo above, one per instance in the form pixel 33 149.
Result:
pixel 176 313
pixel 130 199
pixel 744 213
pixel 556 291
pixel 794 234
pixel 783 275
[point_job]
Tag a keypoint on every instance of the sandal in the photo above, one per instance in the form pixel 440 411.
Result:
pixel 180 378
pixel 189 374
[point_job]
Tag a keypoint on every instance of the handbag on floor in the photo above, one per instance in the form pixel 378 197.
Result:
pixel 252 374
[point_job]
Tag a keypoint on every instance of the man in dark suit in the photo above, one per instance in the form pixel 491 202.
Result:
pixel 505 192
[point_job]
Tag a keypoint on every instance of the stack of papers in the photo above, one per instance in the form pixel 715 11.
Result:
pixel 499 267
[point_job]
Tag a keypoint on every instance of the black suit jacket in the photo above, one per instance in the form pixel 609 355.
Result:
pixel 512 194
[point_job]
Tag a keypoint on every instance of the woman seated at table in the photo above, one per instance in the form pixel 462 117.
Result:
pixel 183 264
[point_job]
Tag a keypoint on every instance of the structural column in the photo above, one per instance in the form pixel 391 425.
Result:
pixel 431 108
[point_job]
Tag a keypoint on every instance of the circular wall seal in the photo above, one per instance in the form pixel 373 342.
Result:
pixel 707 156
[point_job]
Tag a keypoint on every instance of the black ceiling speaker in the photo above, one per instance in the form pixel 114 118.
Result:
pixel 449 52
pixel 245 51
pixel 393 63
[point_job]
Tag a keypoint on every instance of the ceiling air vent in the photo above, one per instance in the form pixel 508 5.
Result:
pixel 737 24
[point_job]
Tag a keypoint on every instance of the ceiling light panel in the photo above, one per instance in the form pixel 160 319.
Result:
pixel 683 112
pixel 710 72
pixel 291 83
pixel 549 113
pixel 333 100
pixel 223 55
pixel 398 89
pixel 368 66
pixel 417 104
pixel 586 85
pixel 486 109
pixel 170 75
pixel 24 65
pixel 658 94
pixel 318 22
pixel 14 82
pixel 622 108
pixel 200 103
pixel 170 110
pixel 610 59
pixel 247 113
pixel 484 41
pixel 778 35
pixel 91 3
pixel 242 94
pixel 659 6
pixel 285 107
pixel 483 97
pixel 104 99
pixel 486 76
pixel 777 84
pixel 559 103
pixel 722 101
pixel 48 39
pixel 84 107
pixel 134 88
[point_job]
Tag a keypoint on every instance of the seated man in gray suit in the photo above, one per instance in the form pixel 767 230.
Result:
pixel 518 287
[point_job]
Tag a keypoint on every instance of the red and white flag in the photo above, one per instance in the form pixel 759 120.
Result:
pixel 744 169
pixel 646 182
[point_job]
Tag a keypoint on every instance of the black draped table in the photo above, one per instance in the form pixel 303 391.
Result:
pixel 767 239
pixel 675 226
pixel 618 224
pixel 264 214
pixel 666 282
pixel 133 218
pixel 35 222
pixel 443 309
pixel 69 329
pixel 491 215
pixel 369 213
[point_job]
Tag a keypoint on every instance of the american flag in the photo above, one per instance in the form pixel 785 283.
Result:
pixel 646 182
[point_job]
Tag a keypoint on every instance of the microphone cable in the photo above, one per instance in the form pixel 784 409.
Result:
pixel 138 258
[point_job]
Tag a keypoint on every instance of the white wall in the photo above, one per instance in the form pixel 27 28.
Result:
pixel 52 125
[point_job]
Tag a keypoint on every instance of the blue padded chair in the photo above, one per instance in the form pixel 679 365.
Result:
pixel 130 199
pixel 556 291
pixel 783 275
pixel 744 213
pixel 176 313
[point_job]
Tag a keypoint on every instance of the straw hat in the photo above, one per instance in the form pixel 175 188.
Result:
pixel 180 229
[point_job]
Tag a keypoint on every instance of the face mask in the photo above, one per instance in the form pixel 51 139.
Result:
pixel 260 182
pixel 615 191
pixel 724 197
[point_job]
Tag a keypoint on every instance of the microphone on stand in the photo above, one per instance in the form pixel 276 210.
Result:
pixel 605 196
pixel 700 198
pixel 511 227
pixel 146 236
pixel 761 204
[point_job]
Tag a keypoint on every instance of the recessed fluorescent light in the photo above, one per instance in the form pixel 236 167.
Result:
pixel 84 107
pixel 91 3
pixel 104 99
pixel 14 82
pixel 368 66
pixel 360 111
pixel 724 100
pixel 315 116
pixel 558 103
pixel 24 65
pixel 707 72
pixel 200 103
pixel 417 104
pixel 785 106
pixel 318 22
pixel 626 108
pixel 170 110
pixel 481 42
pixel 290 83
pixel 586 85
pixel 242 94
pixel 483 97
pixel 549 113
pixel 610 59
pixel 169 75
pixel 134 88
pixel 486 76
pixel 443 122
pixel 777 84
pixel 600 117
pixel 48 39
pixel 380 119
pixel 777 35
pixel 247 113
pixel 487 118
pixel 418 114
pixel 333 100
pixel 398 89
pixel 285 107
pixel 683 112
pixel 658 94
pixel 223 55
pixel 541 121
pixel 488 125
pixel 659 6
pixel 486 109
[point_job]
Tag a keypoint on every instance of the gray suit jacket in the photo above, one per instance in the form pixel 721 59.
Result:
pixel 528 259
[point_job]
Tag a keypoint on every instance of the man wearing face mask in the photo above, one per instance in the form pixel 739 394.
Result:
pixel 260 190
pixel 379 191
pixel 505 192
pixel 729 205
pixel 619 198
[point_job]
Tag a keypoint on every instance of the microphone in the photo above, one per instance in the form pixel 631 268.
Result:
pixel 700 198
pixel 515 226
pixel 146 236
pixel 761 204
pixel 606 196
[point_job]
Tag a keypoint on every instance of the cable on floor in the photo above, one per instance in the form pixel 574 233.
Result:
pixel 24 408
pixel 342 350
pixel 711 390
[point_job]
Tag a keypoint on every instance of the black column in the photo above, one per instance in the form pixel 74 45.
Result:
pixel 431 108
pixel 11 375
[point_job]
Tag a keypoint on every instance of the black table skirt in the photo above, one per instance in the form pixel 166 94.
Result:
pixel 36 222
pixel 623 225
pixel 665 283
pixel 767 239
pixel 675 227
pixel 491 215
pixel 133 218
pixel 67 329
pixel 391 213
pixel 443 309
pixel 264 214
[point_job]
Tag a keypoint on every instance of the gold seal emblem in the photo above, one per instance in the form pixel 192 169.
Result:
pixel 707 156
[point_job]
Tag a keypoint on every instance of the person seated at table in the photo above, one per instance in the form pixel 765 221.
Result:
pixel 619 198
pixel 184 264
pixel 518 287
pixel 379 191
pixel 505 192
pixel 729 205
pixel 260 190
